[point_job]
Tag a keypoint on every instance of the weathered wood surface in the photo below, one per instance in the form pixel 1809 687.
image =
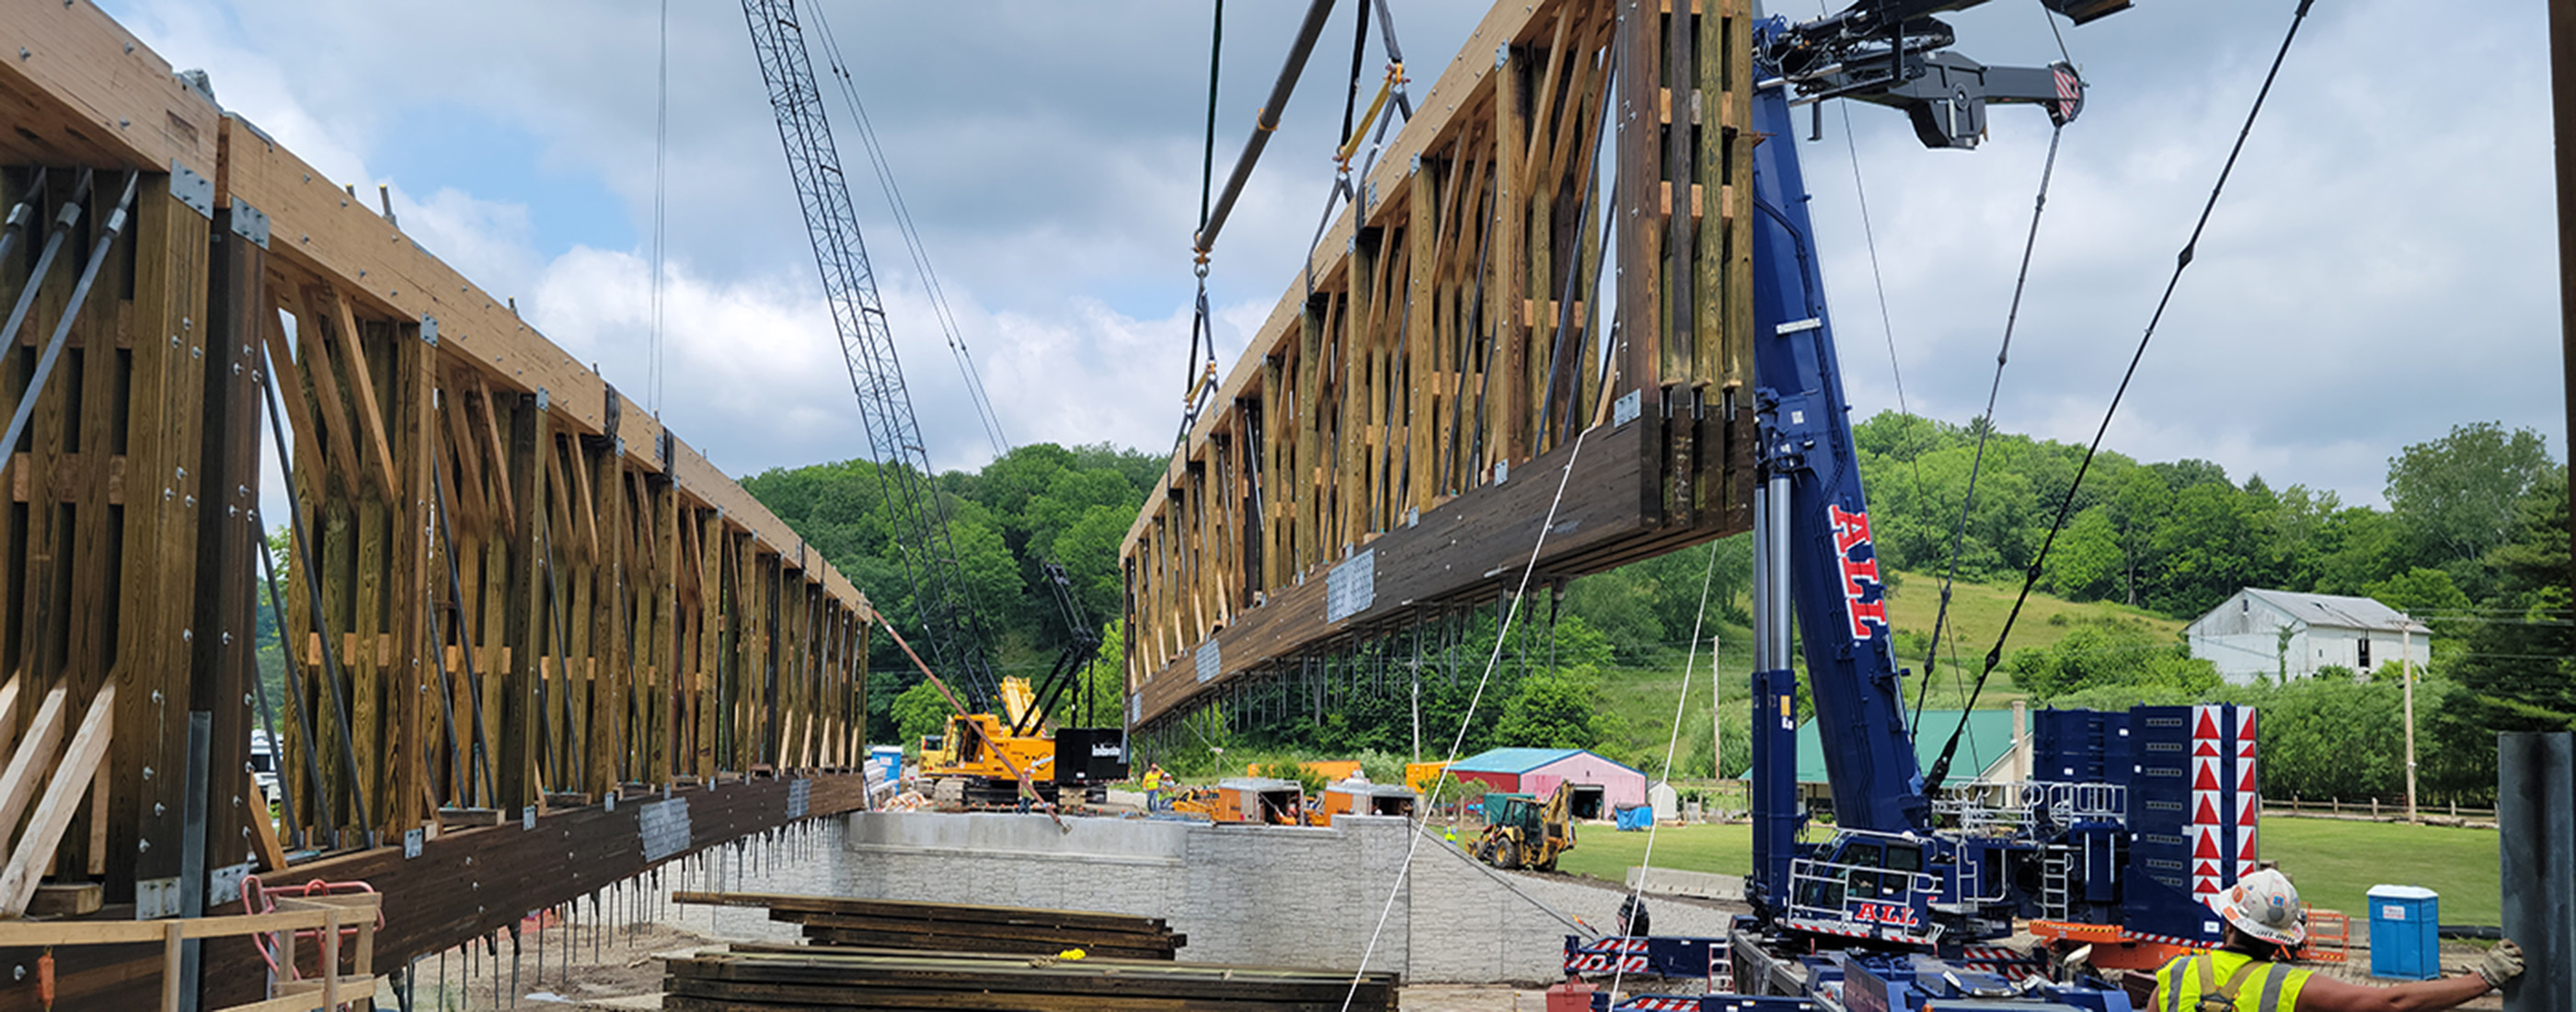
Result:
pixel 1410 402
pixel 769 977
pixel 611 609
pixel 954 927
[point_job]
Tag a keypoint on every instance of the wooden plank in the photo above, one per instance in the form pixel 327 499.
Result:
pixel 159 559
pixel 1507 283
pixel 33 757
pixel 522 457
pixel 409 575
pixel 35 847
pixel 223 664
pixel 500 472
pixel 1421 299
pixel 465 456
pixel 329 304
pixel 310 337
pixel 298 410
pixel 69 899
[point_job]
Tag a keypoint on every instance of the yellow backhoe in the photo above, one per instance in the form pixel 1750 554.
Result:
pixel 1523 832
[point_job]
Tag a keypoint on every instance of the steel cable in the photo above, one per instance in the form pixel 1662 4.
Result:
pixel 2182 261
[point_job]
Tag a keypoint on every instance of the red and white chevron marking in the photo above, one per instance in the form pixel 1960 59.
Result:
pixel 2209 810
pixel 1662 1003
pixel 1595 962
pixel 2249 797
pixel 2068 90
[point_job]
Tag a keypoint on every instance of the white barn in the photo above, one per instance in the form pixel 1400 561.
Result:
pixel 2243 636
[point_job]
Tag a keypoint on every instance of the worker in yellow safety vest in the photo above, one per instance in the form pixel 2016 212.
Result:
pixel 1154 788
pixel 2250 971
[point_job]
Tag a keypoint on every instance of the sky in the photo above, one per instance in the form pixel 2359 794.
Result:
pixel 2379 271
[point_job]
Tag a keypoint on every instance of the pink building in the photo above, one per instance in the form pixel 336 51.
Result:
pixel 1600 785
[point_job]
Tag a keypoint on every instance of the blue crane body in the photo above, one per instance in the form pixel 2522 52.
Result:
pixel 1898 906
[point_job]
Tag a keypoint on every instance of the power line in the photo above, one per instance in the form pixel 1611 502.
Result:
pixel 2182 261
pixel 902 214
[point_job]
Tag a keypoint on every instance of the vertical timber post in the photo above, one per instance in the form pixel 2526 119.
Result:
pixel 149 751
pixel 223 663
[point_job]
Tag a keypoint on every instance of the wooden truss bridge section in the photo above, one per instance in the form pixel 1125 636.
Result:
pixel 1393 438
pixel 516 595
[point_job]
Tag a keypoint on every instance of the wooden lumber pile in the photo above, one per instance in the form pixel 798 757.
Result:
pixel 814 978
pixel 959 928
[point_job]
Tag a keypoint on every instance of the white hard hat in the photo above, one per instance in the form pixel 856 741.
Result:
pixel 2264 905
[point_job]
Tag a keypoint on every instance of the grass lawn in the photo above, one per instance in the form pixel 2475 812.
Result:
pixel 1603 852
pixel 2334 862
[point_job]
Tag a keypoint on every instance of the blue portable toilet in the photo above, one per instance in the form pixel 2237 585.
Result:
pixel 2405 932
pixel 893 756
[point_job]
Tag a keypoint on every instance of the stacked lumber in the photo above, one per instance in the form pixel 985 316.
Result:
pixel 957 927
pixel 817 978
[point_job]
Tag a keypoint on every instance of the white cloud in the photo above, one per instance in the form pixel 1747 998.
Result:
pixel 2380 269
pixel 753 374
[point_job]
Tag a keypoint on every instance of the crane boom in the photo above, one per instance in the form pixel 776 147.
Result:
pixel 920 537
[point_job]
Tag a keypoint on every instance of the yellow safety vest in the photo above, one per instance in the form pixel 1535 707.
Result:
pixel 2267 987
pixel 1153 780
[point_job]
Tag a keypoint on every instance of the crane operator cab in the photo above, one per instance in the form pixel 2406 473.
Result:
pixel 1874 882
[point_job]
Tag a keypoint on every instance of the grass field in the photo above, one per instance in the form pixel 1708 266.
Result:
pixel 2334 862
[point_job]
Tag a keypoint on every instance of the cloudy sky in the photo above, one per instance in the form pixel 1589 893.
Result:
pixel 2379 271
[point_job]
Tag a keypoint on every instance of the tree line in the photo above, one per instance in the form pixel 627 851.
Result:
pixel 1038 502
pixel 2471 539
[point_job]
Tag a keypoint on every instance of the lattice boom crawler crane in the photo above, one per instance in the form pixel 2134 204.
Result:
pixel 2131 817
pixel 989 757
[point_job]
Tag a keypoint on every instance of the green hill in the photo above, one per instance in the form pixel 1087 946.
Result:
pixel 1642 694
pixel 1977 613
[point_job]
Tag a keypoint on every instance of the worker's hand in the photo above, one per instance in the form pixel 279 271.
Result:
pixel 2502 963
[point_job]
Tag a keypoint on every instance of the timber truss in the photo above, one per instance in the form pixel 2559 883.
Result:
pixel 1390 445
pixel 514 596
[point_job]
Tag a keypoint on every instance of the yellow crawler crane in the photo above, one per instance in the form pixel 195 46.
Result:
pixel 967 764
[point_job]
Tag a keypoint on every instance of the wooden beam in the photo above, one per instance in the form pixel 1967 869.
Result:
pixel 500 471
pixel 325 382
pixel 330 302
pixel 35 753
pixel 88 92
pixel 35 847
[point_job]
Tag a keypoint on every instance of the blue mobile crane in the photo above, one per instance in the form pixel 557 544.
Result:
pixel 2129 818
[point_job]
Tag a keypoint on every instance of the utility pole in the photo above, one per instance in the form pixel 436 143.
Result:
pixel 1716 718
pixel 2406 660
pixel 1417 711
